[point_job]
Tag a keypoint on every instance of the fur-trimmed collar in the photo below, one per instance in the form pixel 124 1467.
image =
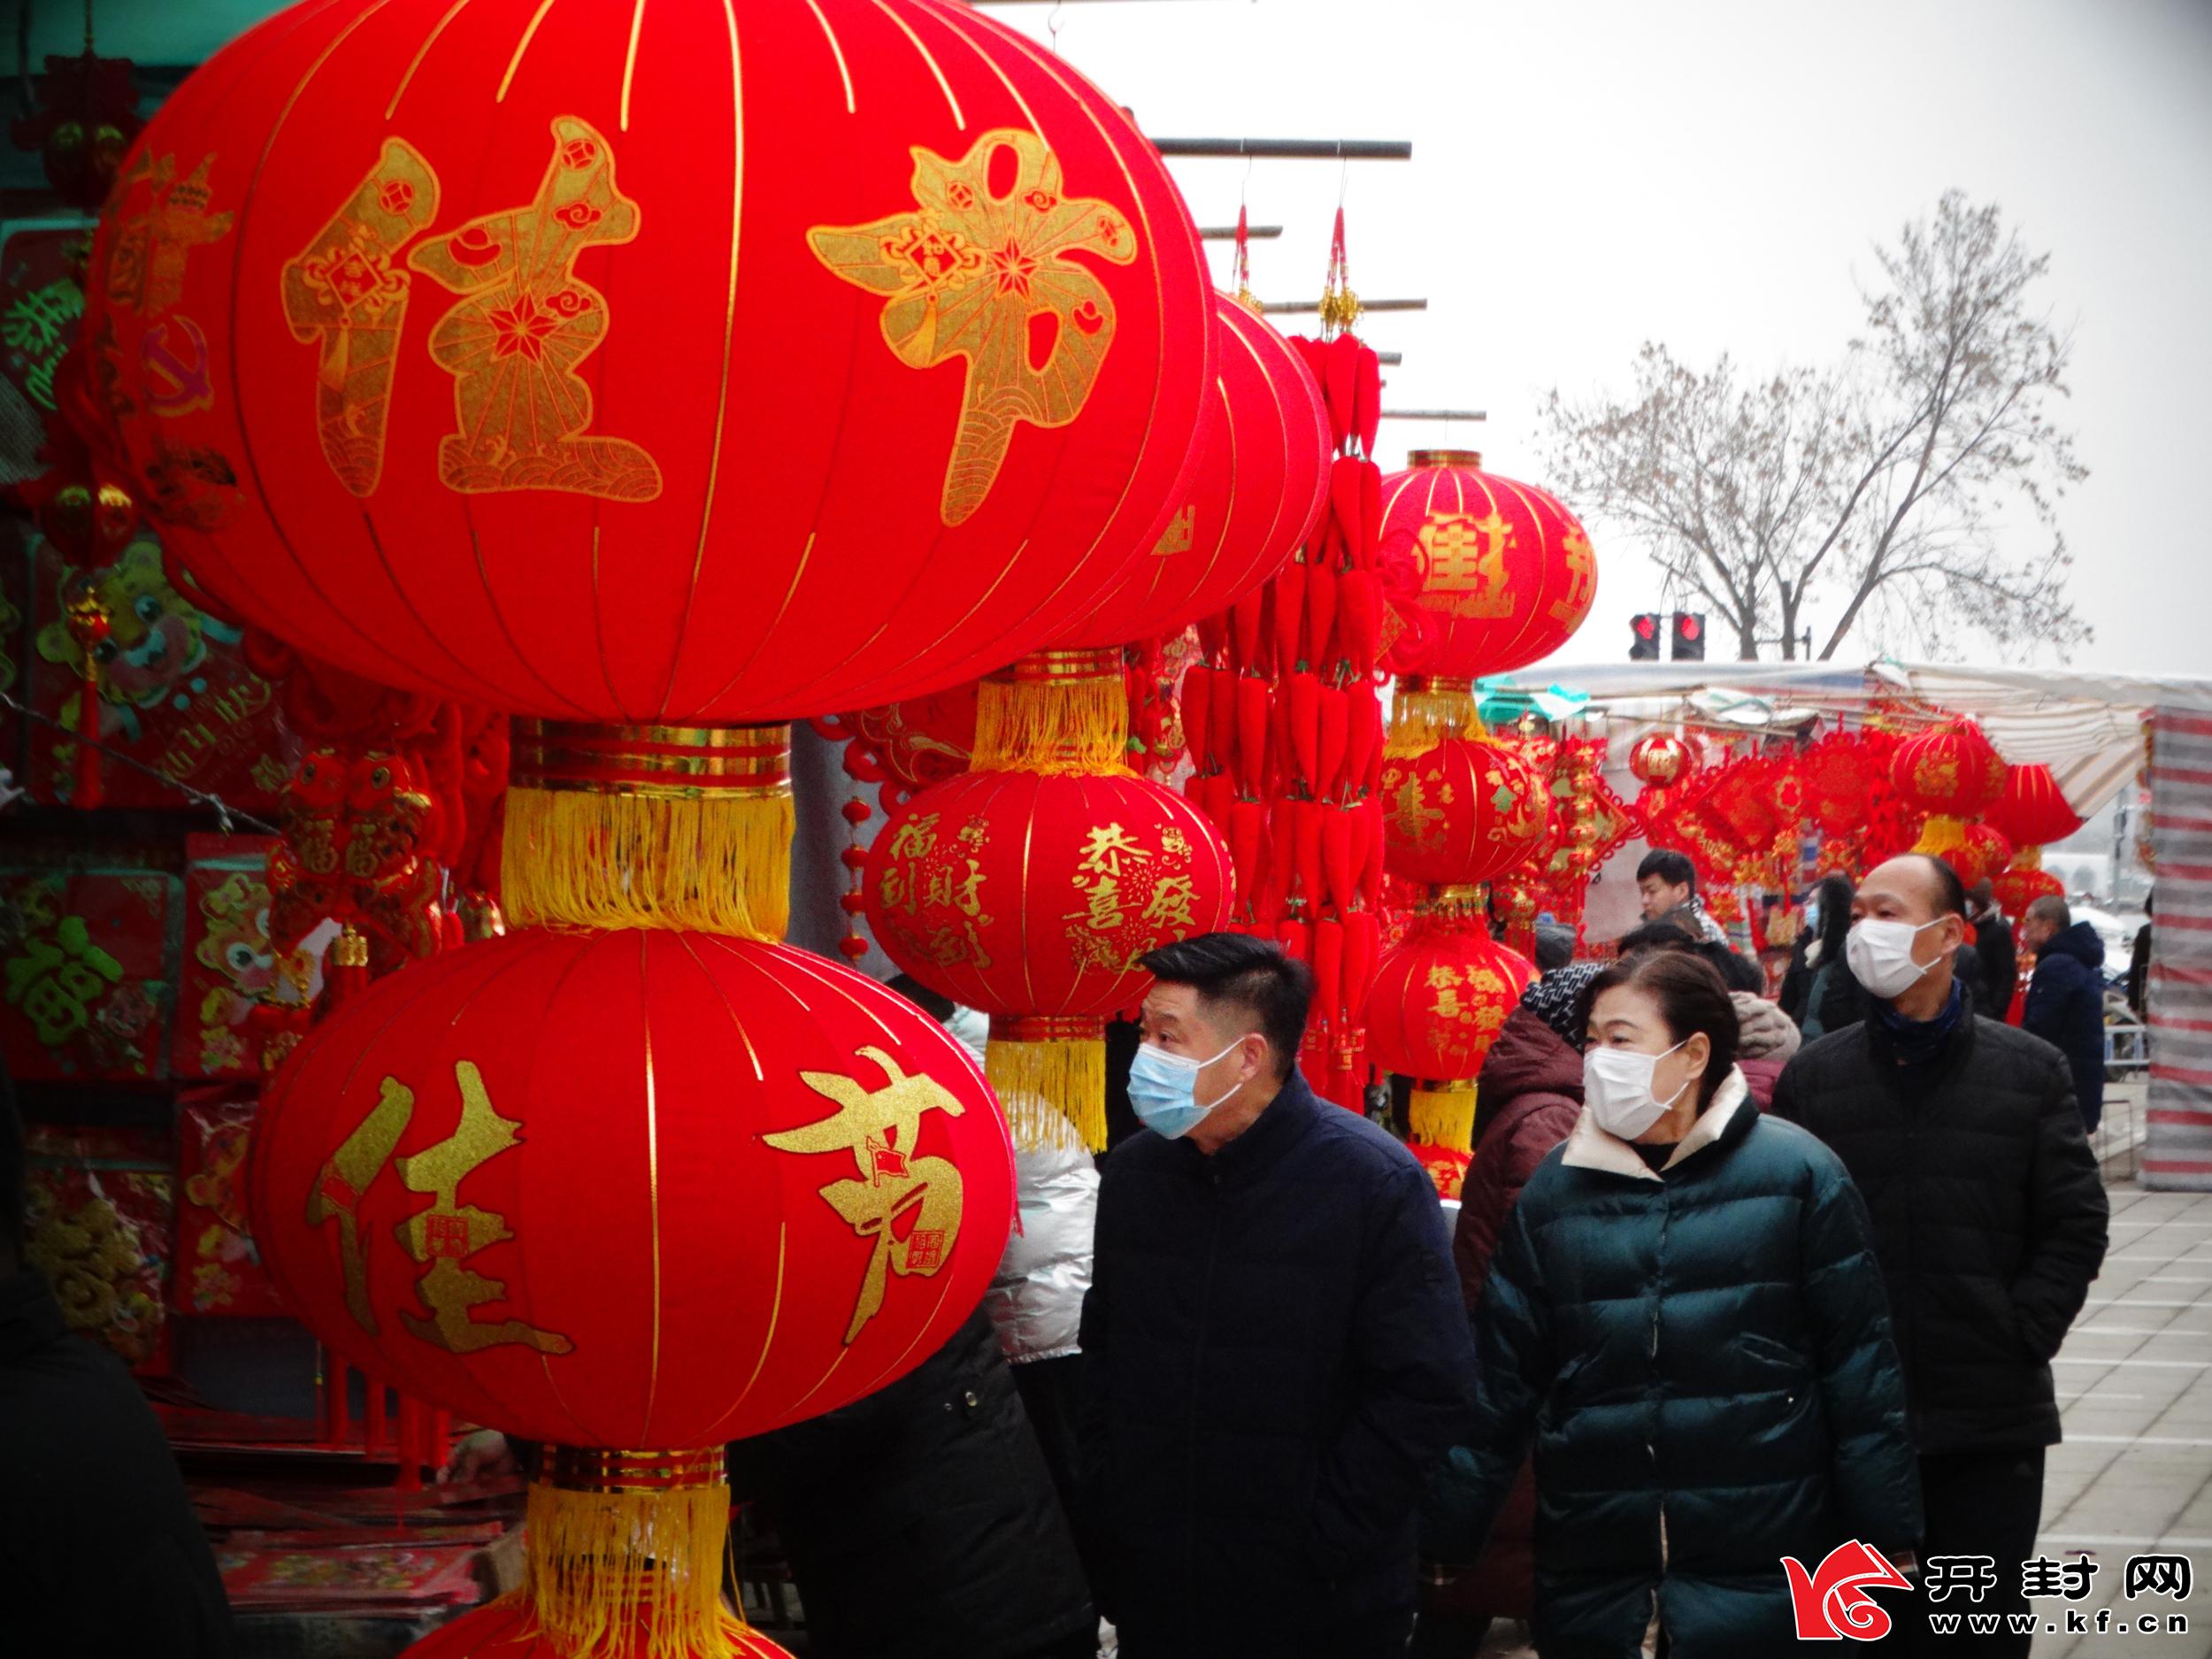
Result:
pixel 1591 1148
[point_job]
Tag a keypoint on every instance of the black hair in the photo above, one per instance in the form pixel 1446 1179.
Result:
pixel 1737 971
pixel 1671 867
pixel 1950 895
pixel 1244 972
pixel 1660 935
pixel 1835 894
pixel 936 1004
pixel 1554 946
pixel 2051 909
pixel 1691 998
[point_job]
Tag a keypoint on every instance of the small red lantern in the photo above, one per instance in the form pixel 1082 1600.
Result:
pixel 1437 1003
pixel 1032 896
pixel 518 353
pixel 1506 577
pixel 1662 758
pixel 1262 479
pixel 633 1194
pixel 1463 811
pixel 1979 854
pixel 2033 812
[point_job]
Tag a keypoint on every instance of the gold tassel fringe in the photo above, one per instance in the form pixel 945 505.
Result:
pixel 1056 723
pixel 1942 833
pixel 1443 1115
pixel 596 1558
pixel 711 864
pixel 1423 712
pixel 1051 1088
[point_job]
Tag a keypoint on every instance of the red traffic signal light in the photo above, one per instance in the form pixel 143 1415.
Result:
pixel 1689 636
pixel 1645 646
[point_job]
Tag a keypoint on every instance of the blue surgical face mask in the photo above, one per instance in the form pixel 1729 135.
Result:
pixel 1812 916
pixel 1163 1086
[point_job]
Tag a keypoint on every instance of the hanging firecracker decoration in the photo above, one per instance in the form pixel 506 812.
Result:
pixel 1033 897
pixel 1952 774
pixel 87 117
pixel 1438 1002
pixel 503 1181
pixel 1506 577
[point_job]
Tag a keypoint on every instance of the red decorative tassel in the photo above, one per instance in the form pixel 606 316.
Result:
pixel 1252 747
pixel 1321 584
pixel 1290 615
pixel 1305 728
pixel 1335 738
pixel 1248 825
pixel 1197 710
pixel 1348 503
pixel 1367 401
pixel 1308 820
pixel 1246 618
pixel 1337 831
pixel 1356 606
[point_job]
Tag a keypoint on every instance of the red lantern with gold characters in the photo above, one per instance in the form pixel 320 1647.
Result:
pixel 526 353
pixel 1952 774
pixel 1461 812
pixel 1032 896
pixel 1978 854
pixel 1437 1003
pixel 1506 577
pixel 635 1194
pixel 1661 759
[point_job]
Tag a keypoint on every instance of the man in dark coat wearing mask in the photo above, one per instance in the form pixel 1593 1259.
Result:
pixel 1989 1220
pixel 1275 1352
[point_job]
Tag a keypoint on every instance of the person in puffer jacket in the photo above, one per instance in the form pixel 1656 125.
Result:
pixel 1530 1091
pixel 1685 1317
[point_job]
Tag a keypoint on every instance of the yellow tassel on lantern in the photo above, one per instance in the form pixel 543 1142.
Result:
pixel 1424 710
pixel 612 1535
pixel 1049 1074
pixel 650 827
pixel 1941 835
pixel 1442 1113
pixel 1055 712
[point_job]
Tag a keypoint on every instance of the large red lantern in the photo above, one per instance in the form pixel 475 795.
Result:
pixel 1952 774
pixel 1506 577
pixel 1032 896
pixel 533 354
pixel 1978 854
pixel 1437 1003
pixel 1261 478
pixel 1463 811
pixel 633 1194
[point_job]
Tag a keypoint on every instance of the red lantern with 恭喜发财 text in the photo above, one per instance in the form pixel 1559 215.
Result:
pixel 1438 1002
pixel 504 1180
pixel 1033 897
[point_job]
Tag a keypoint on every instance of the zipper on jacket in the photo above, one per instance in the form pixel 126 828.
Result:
pixel 1198 1356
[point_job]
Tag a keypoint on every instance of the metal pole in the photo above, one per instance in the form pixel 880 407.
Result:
pixel 1228 233
pixel 1436 414
pixel 1289 148
pixel 1293 308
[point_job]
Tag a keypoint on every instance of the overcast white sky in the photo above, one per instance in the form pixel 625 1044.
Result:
pixel 1590 173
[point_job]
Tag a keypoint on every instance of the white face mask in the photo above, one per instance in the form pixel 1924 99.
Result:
pixel 1880 955
pixel 1617 1086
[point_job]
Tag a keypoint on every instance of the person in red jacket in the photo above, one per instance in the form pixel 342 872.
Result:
pixel 1531 1093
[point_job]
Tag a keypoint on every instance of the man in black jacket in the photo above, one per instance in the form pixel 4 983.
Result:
pixel 2065 1004
pixel 1989 1218
pixel 1994 951
pixel 1274 1349
pixel 100 1552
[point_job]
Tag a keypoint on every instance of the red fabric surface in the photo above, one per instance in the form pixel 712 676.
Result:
pixel 850 350
pixel 1022 894
pixel 2033 812
pixel 1951 770
pixel 643 1267
pixel 88 972
pixel 1255 496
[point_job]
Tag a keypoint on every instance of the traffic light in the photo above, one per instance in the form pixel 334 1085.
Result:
pixel 1644 647
pixel 1689 636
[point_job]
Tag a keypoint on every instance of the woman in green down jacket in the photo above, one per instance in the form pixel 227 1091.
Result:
pixel 1685 1317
